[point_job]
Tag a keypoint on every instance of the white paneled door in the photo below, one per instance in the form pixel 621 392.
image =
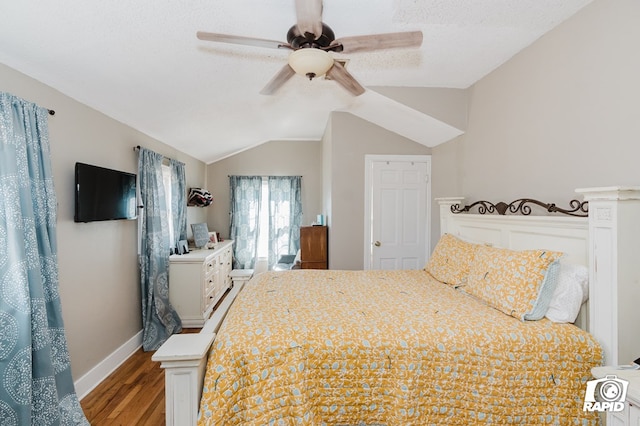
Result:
pixel 398 192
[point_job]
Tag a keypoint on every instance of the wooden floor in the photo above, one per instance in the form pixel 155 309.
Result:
pixel 131 395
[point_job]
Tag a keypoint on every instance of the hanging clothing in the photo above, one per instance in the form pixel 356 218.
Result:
pixel 36 386
pixel 159 319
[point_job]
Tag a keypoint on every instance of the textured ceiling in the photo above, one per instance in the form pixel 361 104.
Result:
pixel 140 63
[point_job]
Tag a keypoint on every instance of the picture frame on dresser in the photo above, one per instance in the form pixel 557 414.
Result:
pixel 183 247
pixel 200 234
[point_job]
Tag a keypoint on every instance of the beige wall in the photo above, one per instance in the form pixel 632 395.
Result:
pixel 97 261
pixel 276 158
pixel 350 139
pixel 562 114
pixel 444 104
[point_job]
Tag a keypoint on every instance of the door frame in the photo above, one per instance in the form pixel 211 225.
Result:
pixel 369 159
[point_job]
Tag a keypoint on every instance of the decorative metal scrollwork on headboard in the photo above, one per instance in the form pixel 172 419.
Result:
pixel 521 206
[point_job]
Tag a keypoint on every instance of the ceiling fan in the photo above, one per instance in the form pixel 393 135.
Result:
pixel 311 40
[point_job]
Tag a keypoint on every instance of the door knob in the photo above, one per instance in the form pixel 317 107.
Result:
pixel 377 244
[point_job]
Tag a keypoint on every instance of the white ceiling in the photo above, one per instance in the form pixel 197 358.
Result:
pixel 139 62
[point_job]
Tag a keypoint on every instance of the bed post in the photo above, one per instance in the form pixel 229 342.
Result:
pixel 614 270
pixel 445 211
pixel 183 357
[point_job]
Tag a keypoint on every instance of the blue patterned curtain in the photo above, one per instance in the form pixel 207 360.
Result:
pixel 36 386
pixel 159 319
pixel 178 201
pixel 285 216
pixel 246 195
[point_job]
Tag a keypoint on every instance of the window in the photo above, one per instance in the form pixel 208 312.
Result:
pixel 263 227
pixel 157 173
pixel 256 234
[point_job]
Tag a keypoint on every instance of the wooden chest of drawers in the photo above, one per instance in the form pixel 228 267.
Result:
pixel 314 247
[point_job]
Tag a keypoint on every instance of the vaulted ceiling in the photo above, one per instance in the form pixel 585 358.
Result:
pixel 140 62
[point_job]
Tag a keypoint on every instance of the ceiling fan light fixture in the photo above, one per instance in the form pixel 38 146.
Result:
pixel 310 62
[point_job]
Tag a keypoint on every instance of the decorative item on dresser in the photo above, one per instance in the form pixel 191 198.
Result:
pixel 197 280
pixel 199 197
pixel 200 234
pixel 314 247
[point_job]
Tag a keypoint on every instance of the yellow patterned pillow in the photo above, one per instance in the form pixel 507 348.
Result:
pixel 519 283
pixel 451 260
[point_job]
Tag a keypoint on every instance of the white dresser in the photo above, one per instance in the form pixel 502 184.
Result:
pixel 197 281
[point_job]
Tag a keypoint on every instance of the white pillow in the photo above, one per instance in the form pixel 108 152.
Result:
pixel 572 290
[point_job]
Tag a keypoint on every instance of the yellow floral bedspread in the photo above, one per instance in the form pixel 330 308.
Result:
pixel 388 348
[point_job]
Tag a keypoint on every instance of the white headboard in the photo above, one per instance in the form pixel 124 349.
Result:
pixel 566 234
pixel 608 242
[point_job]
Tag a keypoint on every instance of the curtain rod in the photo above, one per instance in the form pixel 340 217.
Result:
pixel 266 176
pixel 137 148
pixel 165 158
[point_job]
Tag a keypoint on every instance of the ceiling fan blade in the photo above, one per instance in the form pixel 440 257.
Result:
pixel 371 42
pixel 338 73
pixel 278 80
pixel 309 17
pixel 247 41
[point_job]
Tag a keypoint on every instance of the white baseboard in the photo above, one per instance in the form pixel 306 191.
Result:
pixel 97 374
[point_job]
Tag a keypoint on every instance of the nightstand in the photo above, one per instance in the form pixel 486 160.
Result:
pixel 630 415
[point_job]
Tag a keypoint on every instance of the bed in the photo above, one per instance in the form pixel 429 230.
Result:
pixel 390 347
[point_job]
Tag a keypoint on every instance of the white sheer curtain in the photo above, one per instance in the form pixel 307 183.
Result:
pixel 285 216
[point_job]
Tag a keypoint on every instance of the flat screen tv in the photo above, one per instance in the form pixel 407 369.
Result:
pixel 104 194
